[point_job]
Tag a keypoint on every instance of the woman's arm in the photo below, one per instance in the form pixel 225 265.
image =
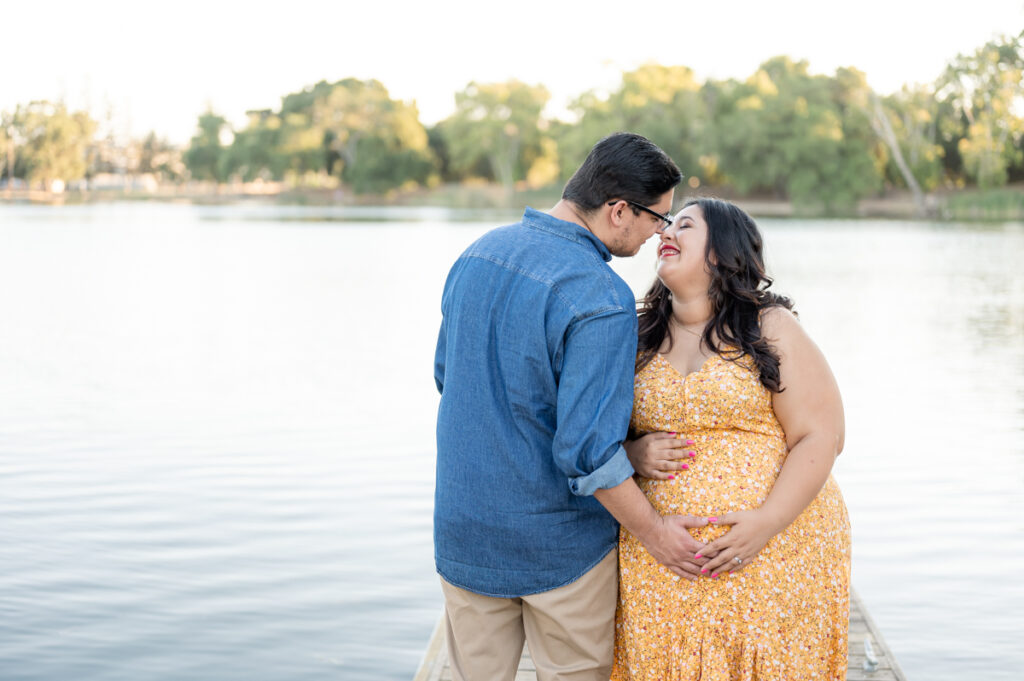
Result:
pixel 810 410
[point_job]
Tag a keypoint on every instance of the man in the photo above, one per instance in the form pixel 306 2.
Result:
pixel 534 363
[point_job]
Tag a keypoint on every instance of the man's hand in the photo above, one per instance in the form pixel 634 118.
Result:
pixel 659 455
pixel 665 537
pixel 671 544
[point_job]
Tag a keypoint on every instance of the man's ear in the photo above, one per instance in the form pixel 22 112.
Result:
pixel 616 213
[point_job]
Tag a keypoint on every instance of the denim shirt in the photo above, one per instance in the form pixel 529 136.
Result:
pixel 534 363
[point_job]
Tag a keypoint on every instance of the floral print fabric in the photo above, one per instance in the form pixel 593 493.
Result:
pixel 785 616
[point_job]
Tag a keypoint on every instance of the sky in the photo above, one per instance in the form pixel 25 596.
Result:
pixel 157 65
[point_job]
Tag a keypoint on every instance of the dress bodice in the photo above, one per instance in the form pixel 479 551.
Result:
pixel 722 394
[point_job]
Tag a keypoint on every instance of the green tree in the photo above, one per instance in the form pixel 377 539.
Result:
pixel 6 147
pixel 861 160
pixel 499 124
pixel 159 157
pixel 798 136
pixel 52 143
pixel 985 90
pixel 255 151
pixel 438 143
pixel 374 143
pixel 206 157
pixel 350 131
pixel 662 103
pixel 913 114
pixel 302 146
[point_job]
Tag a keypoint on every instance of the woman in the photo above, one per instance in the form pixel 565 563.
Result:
pixel 741 421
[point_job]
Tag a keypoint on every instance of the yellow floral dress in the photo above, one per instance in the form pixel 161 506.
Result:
pixel 785 616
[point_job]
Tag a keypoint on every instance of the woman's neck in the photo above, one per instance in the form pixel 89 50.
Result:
pixel 689 313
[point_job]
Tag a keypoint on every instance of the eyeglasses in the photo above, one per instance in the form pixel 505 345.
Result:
pixel 666 218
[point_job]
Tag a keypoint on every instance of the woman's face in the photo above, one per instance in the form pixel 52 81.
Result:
pixel 681 260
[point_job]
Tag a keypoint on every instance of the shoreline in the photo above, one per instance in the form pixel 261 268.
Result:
pixel 1004 204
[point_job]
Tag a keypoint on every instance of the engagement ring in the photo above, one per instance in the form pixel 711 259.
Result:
pixel 738 559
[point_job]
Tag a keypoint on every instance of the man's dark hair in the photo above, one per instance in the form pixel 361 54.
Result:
pixel 622 166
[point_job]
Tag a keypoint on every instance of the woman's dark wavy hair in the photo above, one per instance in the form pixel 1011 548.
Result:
pixel 739 294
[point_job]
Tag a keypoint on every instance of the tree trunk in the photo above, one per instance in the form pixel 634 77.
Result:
pixel 883 128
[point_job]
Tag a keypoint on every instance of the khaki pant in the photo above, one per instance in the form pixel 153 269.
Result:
pixel 569 630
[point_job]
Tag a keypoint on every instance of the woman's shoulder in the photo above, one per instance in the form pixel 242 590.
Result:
pixel 779 322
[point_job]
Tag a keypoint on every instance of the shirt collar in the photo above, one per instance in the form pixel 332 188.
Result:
pixel 535 219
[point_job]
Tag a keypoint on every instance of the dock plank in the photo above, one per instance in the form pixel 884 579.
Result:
pixel 434 666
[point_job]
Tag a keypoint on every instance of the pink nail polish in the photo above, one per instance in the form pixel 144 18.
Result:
pixel 671 477
pixel 692 454
pixel 690 442
pixel 685 467
pixel 712 519
pixel 697 556
pixel 672 432
pixel 703 570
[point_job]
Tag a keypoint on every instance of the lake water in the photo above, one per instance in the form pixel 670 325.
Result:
pixel 216 435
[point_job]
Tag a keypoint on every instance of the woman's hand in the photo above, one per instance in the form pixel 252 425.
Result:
pixel 659 455
pixel 750 531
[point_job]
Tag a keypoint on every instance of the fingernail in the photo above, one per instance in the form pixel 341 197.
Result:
pixel 692 454
pixel 671 477
pixel 697 556
pixel 712 519
pixel 686 467
pixel 714 576
pixel 690 442
pixel 672 432
pixel 703 570
pixel 730 573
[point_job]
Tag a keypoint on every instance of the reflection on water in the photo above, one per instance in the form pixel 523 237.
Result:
pixel 216 447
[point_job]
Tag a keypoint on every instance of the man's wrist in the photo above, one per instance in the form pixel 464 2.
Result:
pixel 651 536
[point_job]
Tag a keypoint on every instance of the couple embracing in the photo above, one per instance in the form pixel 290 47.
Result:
pixel 635 491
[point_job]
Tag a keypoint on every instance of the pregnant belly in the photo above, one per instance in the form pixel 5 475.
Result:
pixel 731 472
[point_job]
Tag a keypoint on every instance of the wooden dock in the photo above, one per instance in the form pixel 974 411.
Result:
pixel 869 657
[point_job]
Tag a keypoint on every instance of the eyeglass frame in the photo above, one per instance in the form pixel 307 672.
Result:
pixel 666 219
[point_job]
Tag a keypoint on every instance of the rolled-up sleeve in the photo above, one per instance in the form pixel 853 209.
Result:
pixel 595 399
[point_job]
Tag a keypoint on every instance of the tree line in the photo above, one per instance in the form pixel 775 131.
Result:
pixel 783 132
